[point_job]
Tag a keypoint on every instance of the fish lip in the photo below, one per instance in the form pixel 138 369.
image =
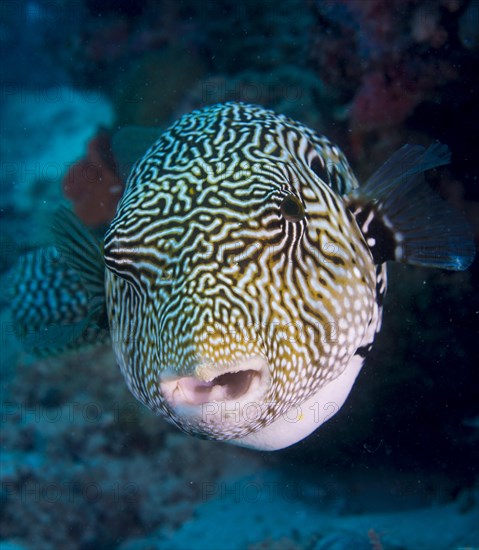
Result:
pixel 240 382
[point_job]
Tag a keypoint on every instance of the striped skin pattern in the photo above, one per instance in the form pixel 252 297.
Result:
pixel 49 303
pixel 231 243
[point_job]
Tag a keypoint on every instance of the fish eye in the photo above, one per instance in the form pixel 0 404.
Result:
pixel 292 209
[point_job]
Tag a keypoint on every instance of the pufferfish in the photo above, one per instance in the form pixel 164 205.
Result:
pixel 242 279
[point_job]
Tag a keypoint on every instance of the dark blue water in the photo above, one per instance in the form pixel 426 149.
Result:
pixel 83 465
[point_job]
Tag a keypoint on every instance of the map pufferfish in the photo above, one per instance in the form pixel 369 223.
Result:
pixel 241 281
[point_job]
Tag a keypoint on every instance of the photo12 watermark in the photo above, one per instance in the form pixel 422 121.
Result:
pixel 66 492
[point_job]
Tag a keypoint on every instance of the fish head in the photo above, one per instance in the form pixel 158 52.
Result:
pixel 238 286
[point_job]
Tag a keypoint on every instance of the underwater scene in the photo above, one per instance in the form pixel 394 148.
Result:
pixel 239 281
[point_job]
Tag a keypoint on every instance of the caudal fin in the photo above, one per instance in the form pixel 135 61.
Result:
pixel 56 292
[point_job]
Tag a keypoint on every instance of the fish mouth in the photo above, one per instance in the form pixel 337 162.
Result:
pixel 242 381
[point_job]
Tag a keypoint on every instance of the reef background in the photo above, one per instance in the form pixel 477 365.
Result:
pixel 82 465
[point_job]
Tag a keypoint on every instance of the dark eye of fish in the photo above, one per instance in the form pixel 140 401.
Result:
pixel 292 209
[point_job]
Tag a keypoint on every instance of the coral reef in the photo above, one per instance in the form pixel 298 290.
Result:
pixel 366 72
pixel 44 130
pixel 93 184
pixel 81 454
pixel 82 464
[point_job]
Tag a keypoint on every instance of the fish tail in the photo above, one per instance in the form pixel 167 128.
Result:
pixel 402 219
pixel 53 308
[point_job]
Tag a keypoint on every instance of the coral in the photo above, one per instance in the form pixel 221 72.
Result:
pixel 384 59
pixel 93 183
pixel 43 131
pixel 380 103
pixel 84 465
